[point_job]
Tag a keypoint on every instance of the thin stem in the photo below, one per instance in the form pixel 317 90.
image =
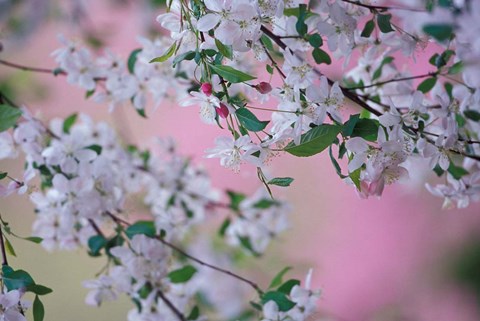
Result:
pixel 383 8
pixel 274 63
pixel 381 83
pixel 2 245
pixel 27 68
pixel 171 306
pixel 95 227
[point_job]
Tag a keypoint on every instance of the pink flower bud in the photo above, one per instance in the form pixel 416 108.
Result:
pixel 206 88
pixel 222 111
pixel 263 87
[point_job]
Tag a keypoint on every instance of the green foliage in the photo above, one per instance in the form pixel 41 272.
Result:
pixel 249 120
pixel 189 55
pixel 314 141
pixel 95 244
pixel 225 50
pixel 3 175
pixel 280 298
pixel 182 275
pixel 235 199
pixel 439 31
pixel 247 244
pixel 281 181
pixel 194 314
pixel 320 56
pixel 141 227
pixel 96 148
pixel 384 24
pixel 170 51
pixel 231 74
pixel 288 285
pixel 278 279
pixel 315 40
pixel 8 116
pixel 224 226
pixel 301 26
pixel 378 72
pixel 472 114
pixel 69 122
pixel 361 127
pixel 132 59
pixel 457 171
pixel 368 29
pixel 427 85
pixel 38 309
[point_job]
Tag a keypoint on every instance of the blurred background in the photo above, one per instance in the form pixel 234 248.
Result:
pixel 400 257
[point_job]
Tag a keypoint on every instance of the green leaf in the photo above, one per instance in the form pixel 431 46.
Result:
pixel 314 141
pixel 9 247
pixel 301 26
pixel 315 40
pixel 8 117
pixel 378 72
pixel 69 122
pixel 96 243
pixel 3 175
pixel 247 244
pixel 457 171
pixel 132 59
pixel 249 120
pixel 278 279
pixel 170 51
pixel 439 31
pixel 194 314
pixel 368 29
pixel 225 50
pixel 427 85
pixel 281 181
pixel 264 203
pixel 355 177
pixel 366 128
pixel 456 68
pixel 235 199
pixel 383 21
pixel 89 93
pixel 189 55
pixel 283 303
pixel 34 239
pixel 182 275
pixel 338 169
pixel 38 309
pixel 141 112
pixel 96 148
pixel 39 289
pixel 231 74
pixel 472 114
pixel 287 286
pixel 18 279
pixel 267 42
pixel 141 227
pixel 223 228
pixel 269 69
pixel 349 125
pixel 320 56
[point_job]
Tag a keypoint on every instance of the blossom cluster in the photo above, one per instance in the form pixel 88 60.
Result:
pixel 434 119
pixel 214 46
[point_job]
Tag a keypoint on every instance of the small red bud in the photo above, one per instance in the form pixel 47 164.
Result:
pixel 222 111
pixel 206 88
pixel 263 87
